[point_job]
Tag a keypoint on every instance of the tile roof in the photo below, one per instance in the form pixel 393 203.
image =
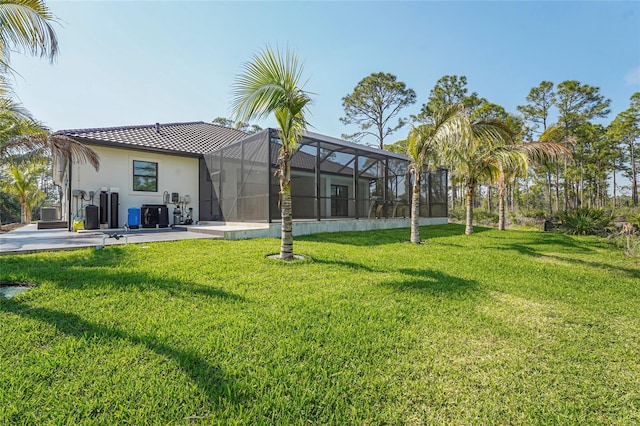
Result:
pixel 188 138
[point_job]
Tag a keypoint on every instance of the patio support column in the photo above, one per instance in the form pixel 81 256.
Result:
pixel 220 179
pixel 446 179
pixel 385 192
pixel 429 183
pixel 269 173
pixel 355 183
pixel 69 218
pixel 317 176
pixel 239 214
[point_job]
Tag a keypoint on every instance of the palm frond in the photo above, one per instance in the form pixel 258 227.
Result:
pixel 26 26
pixel 269 81
pixel 541 152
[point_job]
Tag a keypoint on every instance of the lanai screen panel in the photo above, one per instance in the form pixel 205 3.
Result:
pixel 335 179
pixel 433 194
pixel 438 195
pixel 240 173
pixel 330 178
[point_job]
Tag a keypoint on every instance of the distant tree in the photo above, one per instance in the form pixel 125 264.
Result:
pixel 399 147
pixel 624 130
pixel 449 90
pixel 424 145
pixel 270 83
pixel 536 112
pixel 224 122
pixel 374 103
pixel 577 104
pixel 238 125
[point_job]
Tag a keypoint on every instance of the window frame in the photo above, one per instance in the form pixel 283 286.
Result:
pixel 145 176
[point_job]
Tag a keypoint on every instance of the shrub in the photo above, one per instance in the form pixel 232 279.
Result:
pixel 534 213
pixel 630 214
pixel 584 221
pixel 484 216
pixel 457 213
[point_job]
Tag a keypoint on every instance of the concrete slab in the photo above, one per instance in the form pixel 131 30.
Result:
pixel 30 239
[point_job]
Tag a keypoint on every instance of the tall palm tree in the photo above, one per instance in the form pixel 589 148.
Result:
pixel 514 160
pixel 477 157
pixel 270 83
pixel 425 142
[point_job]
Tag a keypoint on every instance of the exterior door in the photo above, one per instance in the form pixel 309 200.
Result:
pixel 339 200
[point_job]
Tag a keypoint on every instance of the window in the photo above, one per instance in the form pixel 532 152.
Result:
pixel 145 176
pixel 339 200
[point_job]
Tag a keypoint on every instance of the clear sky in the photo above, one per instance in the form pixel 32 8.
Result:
pixel 126 63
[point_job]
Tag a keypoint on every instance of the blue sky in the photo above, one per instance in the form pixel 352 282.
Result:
pixel 126 63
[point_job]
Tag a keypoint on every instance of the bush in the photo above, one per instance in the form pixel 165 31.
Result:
pixel 629 214
pixel 484 216
pixel 458 213
pixel 584 221
pixel 534 213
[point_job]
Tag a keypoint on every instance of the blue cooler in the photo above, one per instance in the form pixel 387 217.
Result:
pixel 133 218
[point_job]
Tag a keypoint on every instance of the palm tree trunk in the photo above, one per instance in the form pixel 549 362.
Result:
pixel 614 186
pixel 286 234
pixel 415 210
pixel 470 187
pixel 24 216
pixel 502 194
pixel 549 196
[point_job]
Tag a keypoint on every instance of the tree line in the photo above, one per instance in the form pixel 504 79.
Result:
pixel 568 114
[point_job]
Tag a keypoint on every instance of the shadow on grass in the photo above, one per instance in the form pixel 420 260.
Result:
pixel 544 240
pixel 346 264
pixel 436 283
pixel 529 251
pixel 107 268
pixel 211 380
pixel 387 236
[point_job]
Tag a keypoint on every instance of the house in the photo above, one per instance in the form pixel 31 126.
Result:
pixel 208 173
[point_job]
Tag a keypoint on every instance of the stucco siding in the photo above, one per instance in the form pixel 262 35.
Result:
pixel 175 174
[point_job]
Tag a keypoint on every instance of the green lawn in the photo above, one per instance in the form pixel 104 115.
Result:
pixel 515 327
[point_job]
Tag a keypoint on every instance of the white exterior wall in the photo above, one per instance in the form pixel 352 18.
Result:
pixel 175 174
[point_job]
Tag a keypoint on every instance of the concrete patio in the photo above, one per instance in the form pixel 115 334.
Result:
pixel 28 239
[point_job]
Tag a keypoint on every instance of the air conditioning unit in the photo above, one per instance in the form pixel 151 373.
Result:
pixel 48 213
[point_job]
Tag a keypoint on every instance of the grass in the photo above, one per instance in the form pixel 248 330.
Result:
pixel 513 327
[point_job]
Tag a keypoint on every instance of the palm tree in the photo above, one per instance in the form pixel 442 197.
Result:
pixel 22 182
pixel 270 83
pixel 25 25
pixel 21 135
pixel 513 160
pixel 425 142
pixel 477 157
